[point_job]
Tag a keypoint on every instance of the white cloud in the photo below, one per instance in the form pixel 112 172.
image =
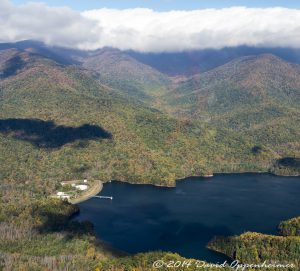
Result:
pixel 147 30
pixel 59 26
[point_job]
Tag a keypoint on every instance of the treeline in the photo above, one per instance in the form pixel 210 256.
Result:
pixel 36 233
pixel 290 227
pixel 254 247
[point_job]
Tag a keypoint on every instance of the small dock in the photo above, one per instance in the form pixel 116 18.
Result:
pixel 103 197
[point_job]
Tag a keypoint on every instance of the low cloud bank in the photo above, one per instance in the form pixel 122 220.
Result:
pixel 150 31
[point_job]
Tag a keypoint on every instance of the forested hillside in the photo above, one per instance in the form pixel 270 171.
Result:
pixel 254 247
pixel 103 115
pixel 118 137
pixel 124 73
pixel 257 96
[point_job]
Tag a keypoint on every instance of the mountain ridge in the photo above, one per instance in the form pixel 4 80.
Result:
pixel 147 145
pixel 121 71
pixel 230 102
pixel 260 75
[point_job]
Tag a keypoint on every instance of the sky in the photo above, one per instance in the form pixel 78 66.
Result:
pixel 165 5
pixel 152 25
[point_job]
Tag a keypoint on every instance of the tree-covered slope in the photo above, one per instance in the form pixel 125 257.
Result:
pixel 252 247
pixel 244 81
pixel 257 96
pixel 123 72
pixel 58 123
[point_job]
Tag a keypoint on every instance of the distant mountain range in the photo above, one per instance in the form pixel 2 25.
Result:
pixel 173 64
pixel 120 115
pixel 193 62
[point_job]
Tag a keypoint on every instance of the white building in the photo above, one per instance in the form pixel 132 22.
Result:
pixel 81 187
pixel 62 195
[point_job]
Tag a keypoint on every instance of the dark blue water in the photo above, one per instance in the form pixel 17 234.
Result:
pixel 184 219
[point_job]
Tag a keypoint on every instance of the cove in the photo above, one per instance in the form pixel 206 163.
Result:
pixel 184 219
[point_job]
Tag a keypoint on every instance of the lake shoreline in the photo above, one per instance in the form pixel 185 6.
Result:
pixel 184 212
pixel 97 188
pixel 93 191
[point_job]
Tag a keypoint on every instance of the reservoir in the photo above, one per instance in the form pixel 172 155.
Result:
pixel 184 219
